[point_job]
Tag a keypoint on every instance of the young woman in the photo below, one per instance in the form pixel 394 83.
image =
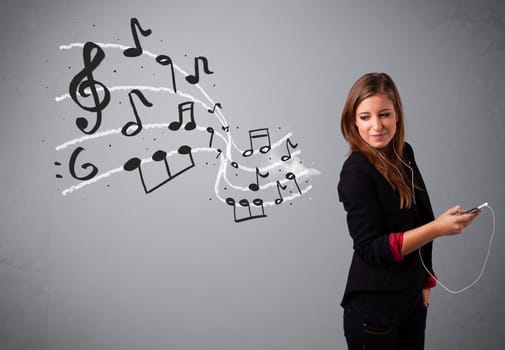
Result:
pixel 390 220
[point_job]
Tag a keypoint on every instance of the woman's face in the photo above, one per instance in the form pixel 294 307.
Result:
pixel 376 121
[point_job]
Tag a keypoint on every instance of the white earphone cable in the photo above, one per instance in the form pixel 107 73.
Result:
pixel 419 250
pixel 481 270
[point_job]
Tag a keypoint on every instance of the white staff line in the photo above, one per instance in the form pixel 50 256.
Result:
pixel 268 167
pixel 120 88
pixel 264 186
pixel 103 134
pixel 164 125
pixel 164 89
pixel 222 174
pixel 288 198
pixel 218 113
pixel 169 154
pixel 152 55
pixel 144 88
pixel 120 169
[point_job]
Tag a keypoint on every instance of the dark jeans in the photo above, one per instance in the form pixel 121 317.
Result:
pixel 387 333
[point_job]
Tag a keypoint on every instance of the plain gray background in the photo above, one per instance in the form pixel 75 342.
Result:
pixel 108 267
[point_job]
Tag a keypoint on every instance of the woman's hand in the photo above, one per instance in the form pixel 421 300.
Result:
pixel 454 221
pixel 426 297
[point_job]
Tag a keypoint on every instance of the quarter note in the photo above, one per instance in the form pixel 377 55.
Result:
pixel 279 187
pixel 211 132
pixel 214 109
pixel 288 156
pixel 291 176
pixel 137 50
pixel 137 124
pixel 159 156
pixel 255 186
pixel 183 107
pixel 194 79
pixel 258 202
pixel 262 133
pixel 83 83
pixel 164 60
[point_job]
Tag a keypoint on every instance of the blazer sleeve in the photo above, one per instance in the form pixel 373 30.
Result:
pixel 359 196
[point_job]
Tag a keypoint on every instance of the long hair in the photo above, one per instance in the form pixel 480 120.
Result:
pixel 368 85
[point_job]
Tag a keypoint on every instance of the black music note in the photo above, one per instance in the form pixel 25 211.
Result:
pixel 234 164
pixel 159 156
pixel 256 134
pixel 211 132
pixel 214 109
pixel 255 186
pixel 279 187
pixel 291 176
pixel 245 203
pixel 288 143
pixel 194 79
pixel 137 124
pixel 185 106
pixel 164 60
pixel 83 82
pixel 137 50
pixel 71 166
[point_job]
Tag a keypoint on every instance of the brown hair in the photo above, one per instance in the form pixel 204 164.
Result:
pixel 368 85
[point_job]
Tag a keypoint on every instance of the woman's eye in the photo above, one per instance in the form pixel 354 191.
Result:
pixel 363 117
pixel 384 115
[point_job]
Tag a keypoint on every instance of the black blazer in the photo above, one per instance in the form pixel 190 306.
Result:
pixel 373 212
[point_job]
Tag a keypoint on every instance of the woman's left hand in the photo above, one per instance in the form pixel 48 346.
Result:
pixel 426 297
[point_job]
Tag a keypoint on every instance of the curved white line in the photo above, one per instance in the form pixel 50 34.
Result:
pixel 229 141
pixel 152 55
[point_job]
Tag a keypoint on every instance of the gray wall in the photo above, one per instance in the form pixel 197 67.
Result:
pixel 110 267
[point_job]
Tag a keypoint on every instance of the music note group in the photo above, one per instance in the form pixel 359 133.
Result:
pixel 93 96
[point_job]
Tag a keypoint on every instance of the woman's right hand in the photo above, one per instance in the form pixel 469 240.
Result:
pixel 454 221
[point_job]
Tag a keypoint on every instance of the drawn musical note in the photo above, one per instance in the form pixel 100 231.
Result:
pixel 288 157
pixel 194 79
pixel 255 186
pixel 211 132
pixel 214 109
pixel 245 203
pixel 137 50
pixel 291 176
pixel 164 60
pixel 83 82
pixel 159 156
pixel 183 107
pixel 137 124
pixel 279 187
pixel 257 134
pixel 73 158
pixel 234 164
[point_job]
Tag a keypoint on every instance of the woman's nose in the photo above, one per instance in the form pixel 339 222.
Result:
pixel 377 123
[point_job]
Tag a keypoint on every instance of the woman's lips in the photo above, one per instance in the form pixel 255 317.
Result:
pixel 378 136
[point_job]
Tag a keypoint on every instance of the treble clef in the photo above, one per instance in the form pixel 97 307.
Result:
pixel 84 83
